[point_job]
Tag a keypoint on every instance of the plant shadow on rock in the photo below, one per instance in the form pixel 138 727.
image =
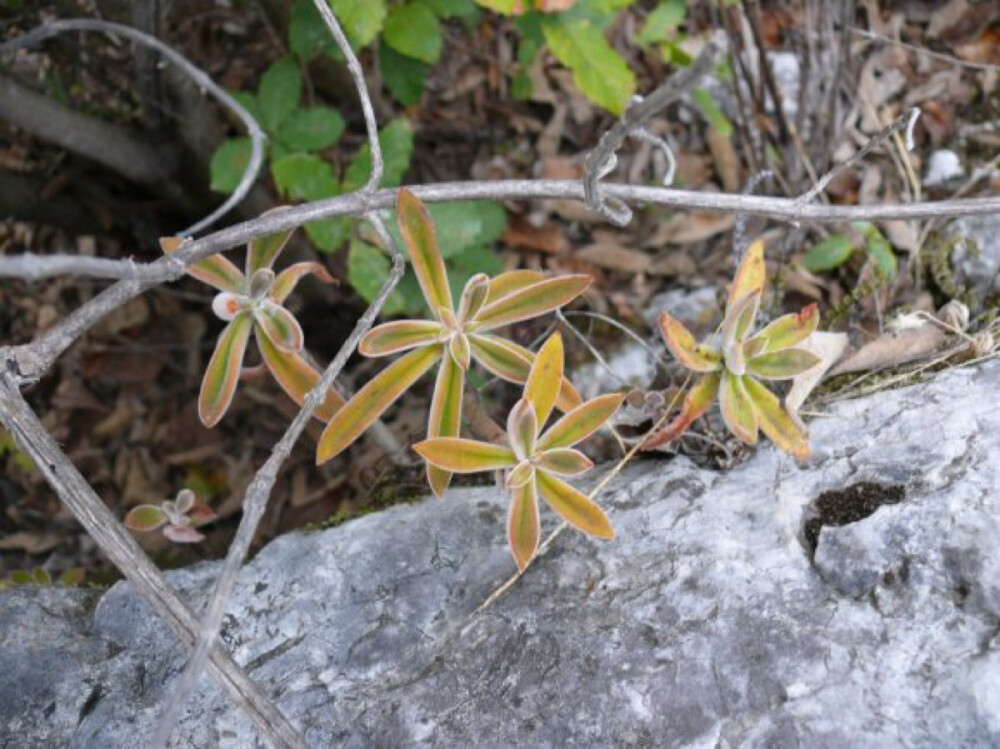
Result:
pixel 845 506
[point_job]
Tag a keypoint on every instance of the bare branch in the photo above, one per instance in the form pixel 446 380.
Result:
pixel 602 159
pixel 259 490
pixel 31 267
pixel 201 79
pixel 74 491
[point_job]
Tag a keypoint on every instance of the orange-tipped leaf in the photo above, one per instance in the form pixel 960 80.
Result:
pixel 223 371
pixel 784 332
pixel 531 301
pixel 775 422
pixel 564 461
pixel 542 386
pixel 420 236
pixel 445 417
pixel 262 251
pixel 750 276
pixel 581 422
pixel 280 326
pixel 288 279
pixel 465 456
pixel 401 335
pixel 573 506
pixel 296 377
pixel 782 365
pixel 737 410
pixel 372 400
pixel 523 527
pixel 509 361
pixel 684 347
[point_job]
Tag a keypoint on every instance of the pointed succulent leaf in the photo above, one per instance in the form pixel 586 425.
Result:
pixel 227 305
pixel 531 301
pixel 262 251
pixel 296 377
pixel 289 278
pixel 775 422
pixel 785 332
pixel 145 518
pixel 782 365
pixel 581 422
pixel 448 318
pixel 737 409
pixel 372 400
pixel 459 349
pixel 280 326
pixel 682 344
pixel 183 534
pixel 465 456
pixel 522 429
pixel 739 319
pixel 445 417
pixel 185 501
pixel 420 236
pixel 223 371
pixel 698 400
pixel 260 283
pixel 573 506
pixel 511 281
pixel 473 296
pixel 750 276
pixel 214 270
pixel 522 473
pixel 401 335
pixel 512 362
pixel 542 386
pixel 564 461
pixel 523 527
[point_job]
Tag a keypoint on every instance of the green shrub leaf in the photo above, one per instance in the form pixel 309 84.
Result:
pixel 662 22
pixel 402 75
pixel 413 30
pixel 710 110
pixel 280 89
pixel 303 176
pixel 228 164
pixel 600 73
pixel 312 129
pixel 396 140
pixel 307 34
pixel 367 269
pixel 361 19
pixel 828 254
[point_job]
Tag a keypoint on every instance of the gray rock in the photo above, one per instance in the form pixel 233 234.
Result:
pixel 981 270
pixel 850 602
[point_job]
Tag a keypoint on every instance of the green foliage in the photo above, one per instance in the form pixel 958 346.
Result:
pixel 228 164
pixel 9 449
pixel 661 25
pixel 413 30
pixel 179 518
pixel 361 21
pixel 711 112
pixel 600 72
pixel 403 76
pixel 837 249
pixel 70 578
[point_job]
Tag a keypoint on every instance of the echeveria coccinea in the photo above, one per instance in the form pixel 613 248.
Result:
pixel 456 337
pixel 535 458
pixel 731 365
pixel 253 302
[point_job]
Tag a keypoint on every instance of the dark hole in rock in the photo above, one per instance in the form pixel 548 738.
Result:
pixel 847 505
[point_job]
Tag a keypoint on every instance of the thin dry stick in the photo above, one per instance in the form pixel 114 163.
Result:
pixel 260 487
pixel 602 159
pixel 605 480
pixel 79 497
pixel 924 51
pixel 905 121
pixel 204 82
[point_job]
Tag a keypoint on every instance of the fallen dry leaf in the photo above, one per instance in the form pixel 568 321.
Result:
pixel 615 257
pixel 688 228
pixel 521 234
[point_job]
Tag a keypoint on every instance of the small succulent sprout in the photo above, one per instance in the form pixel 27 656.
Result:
pixel 179 518
pixel 455 337
pixel 253 302
pixel 732 365
pixel 534 459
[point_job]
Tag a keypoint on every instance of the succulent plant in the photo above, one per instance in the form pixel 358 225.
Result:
pixel 456 337
pixel 734 362
pixel 178 517
pixel 253 302
pixel 534 458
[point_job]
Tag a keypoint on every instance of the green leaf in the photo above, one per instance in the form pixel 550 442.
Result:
pixel 145 518
pixel 360 19
pixel 830 253
pixel 413 30
pixel 367 269
pixel 307 34
pixel 711 112
pixel 500 6
pixel 330 234
pixel 478 259
pixel 467 223
pixel 523 529
pixel 280 90
pixel 396 140
pixel 465 456
pixel 600 73
pixel 303 176
pixel 881 252
pixel 248 101
pixel 464 9
pixel 223 370
pixel 662 22
pixel 403 76
pixel 228 164
pixel 312 129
